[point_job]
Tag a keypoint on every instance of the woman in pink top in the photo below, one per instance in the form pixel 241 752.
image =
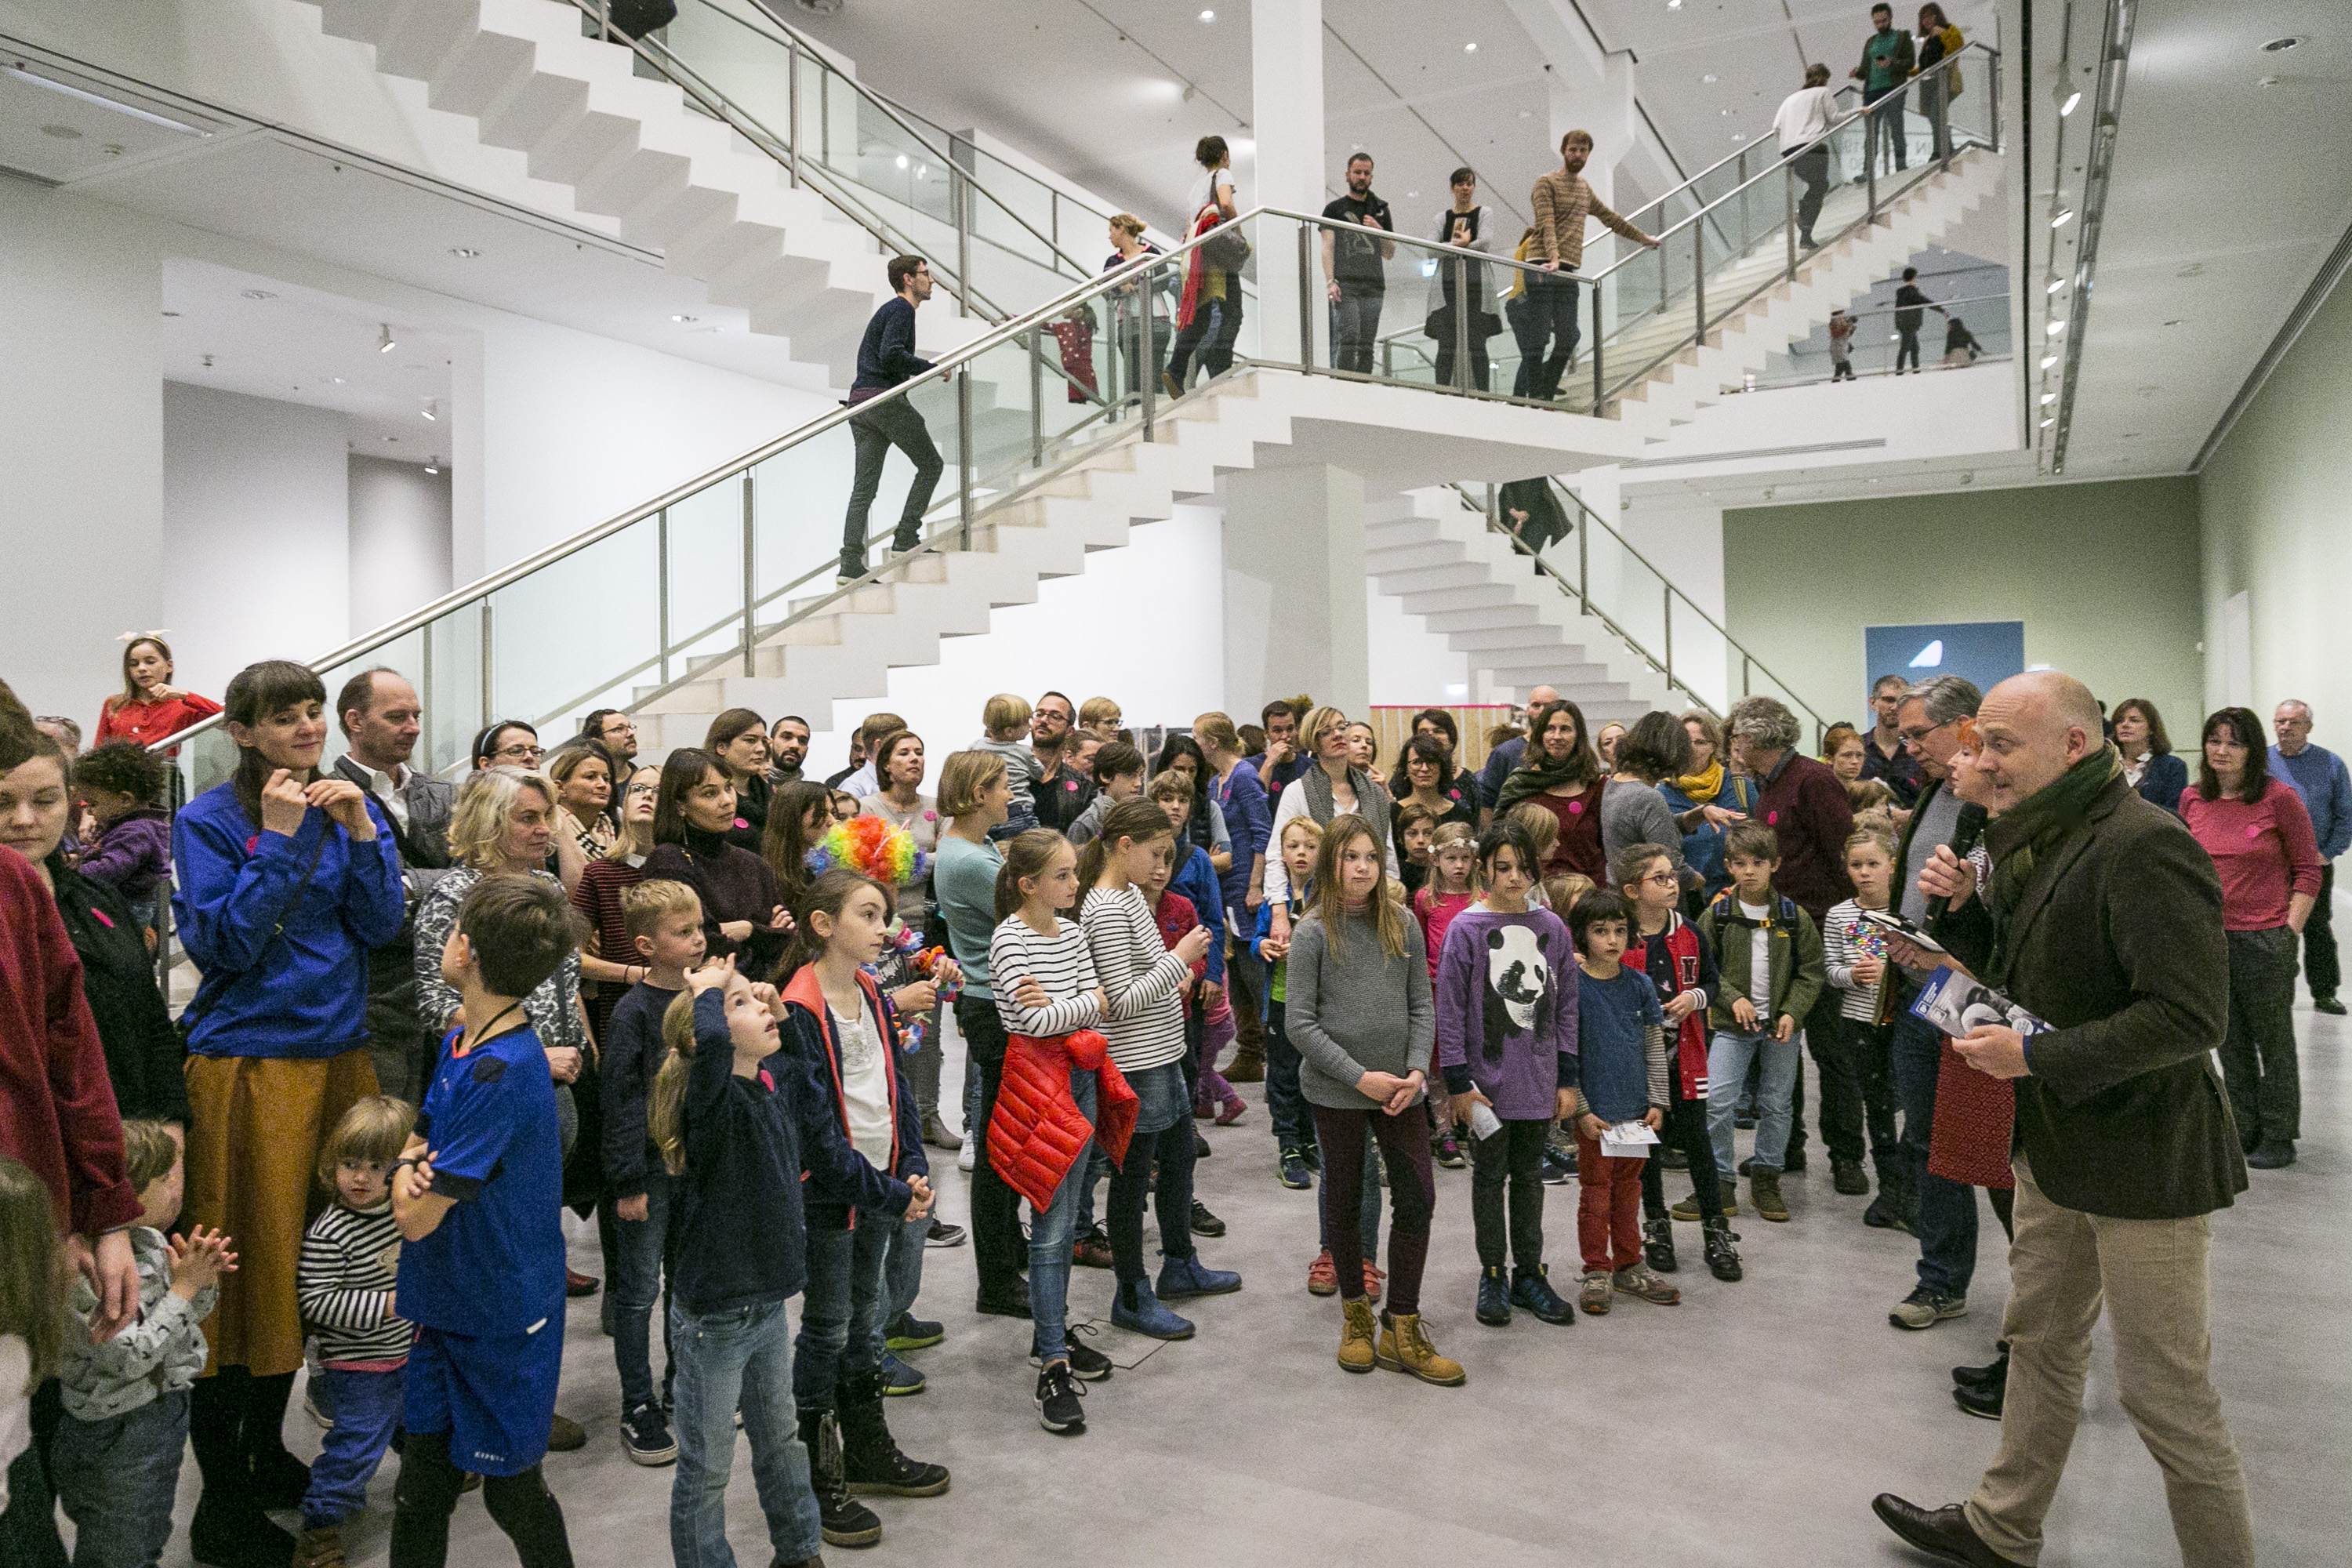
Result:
pixel 2260 836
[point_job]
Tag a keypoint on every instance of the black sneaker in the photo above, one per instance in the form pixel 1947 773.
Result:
pixel 1557 1171
pixel 2327 1004
pixel 1532 1288
pixel 1448 1151
pixel 1061 1399
pixel 1203 1222
pixel 1291 1166
pixel 942 1234
pixel 646 1436
pixel 1494 1299
pixel 1087 1363
pixel 1200 1149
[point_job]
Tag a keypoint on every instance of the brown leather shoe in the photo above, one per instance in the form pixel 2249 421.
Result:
pixel 1943 1533
pixel 1249 1063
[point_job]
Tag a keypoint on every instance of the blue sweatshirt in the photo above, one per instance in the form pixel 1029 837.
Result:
pixel 285 962
pixel 886 355
pixel 1198 882
pixel 1249 820
pixel 743 1238
pixel 2318 775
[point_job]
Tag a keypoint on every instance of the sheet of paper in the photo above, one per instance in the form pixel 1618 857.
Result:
pixel 1628 1140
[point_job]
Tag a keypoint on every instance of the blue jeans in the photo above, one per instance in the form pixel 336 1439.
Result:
pixel 1947 1209
pixel 731 1361
pixel 1369 1216
pixel 117 1477
pixel 1727 1067
pixel 638 1271
pixel 1285 1104
pixel 1051 1231
pixel 842 1310
pixel 1164 1101
pixel 902 1271
pixel 365 1407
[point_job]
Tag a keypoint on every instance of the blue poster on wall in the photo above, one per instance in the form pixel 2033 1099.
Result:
pixel 1986 652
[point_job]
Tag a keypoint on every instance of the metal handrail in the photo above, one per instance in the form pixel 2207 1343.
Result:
pixel 1842 90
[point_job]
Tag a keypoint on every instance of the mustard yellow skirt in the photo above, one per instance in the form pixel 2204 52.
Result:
pixel 255 1125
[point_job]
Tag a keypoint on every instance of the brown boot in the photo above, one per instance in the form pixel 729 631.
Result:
pixel 1357 1330
pixel 1405 1347
pixel 320 1548
pixel 1249 1063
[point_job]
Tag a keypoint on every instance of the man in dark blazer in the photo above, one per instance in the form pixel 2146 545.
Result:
pixel 2113 936
pixel 381 719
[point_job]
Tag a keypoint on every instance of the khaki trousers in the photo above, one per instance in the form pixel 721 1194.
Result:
pixel 2151 1276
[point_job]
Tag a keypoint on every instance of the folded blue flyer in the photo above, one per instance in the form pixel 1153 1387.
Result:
pixel 1956 1002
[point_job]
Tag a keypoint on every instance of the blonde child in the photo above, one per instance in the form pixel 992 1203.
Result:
pixel 1033 942
pixel 1853 953
pixel 117 1454
pixel 1543 828
pixel 345 1283
pixel 1005 720
pixel 1294 1134
pixel 1452 888
pixel 1561 890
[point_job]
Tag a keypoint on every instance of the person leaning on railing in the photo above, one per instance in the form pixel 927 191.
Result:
pixel 1561 202
pixel 1939 41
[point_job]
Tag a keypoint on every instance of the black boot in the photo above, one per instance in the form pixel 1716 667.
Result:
pixel 229 1530
pixel 1722 1257
pixel 1658 1244
pixel 846 1521
pixel 870 1460
pixel 1894 1206
pixel 1994 1375
pixel 279 1479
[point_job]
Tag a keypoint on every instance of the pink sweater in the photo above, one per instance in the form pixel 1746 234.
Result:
pixel 2263 849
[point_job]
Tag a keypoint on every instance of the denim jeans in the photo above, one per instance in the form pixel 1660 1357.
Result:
pixel 1355 322
pixel 731 1361
pixel 1285 1104
pixel 1551 320
pixel 1216 326
pixel 1726 1065
pixel 638 1270
pixel 902 1270
pixel 117 1478
pixel 875 430
pixel 1159 1169
pixel 365 1407
pixel 1947 1209
pixel 841 1309
pixel 1051 1231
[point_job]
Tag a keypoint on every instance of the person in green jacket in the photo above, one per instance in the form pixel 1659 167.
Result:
pixel 1769 955
pixel 1885 69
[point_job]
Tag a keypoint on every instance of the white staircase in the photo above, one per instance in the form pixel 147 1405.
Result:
pixel 718 208
pixel 1788 310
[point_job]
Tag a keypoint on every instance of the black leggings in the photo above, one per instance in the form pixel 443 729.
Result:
pixel 1512 1158
pixel 1685 1130
pixel 426 1495
pixel 1412 1194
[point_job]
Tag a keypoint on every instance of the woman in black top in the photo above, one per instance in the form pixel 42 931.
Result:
pixel 743 907
pixel 739 738
pixel 1429 778
pixel 1459 226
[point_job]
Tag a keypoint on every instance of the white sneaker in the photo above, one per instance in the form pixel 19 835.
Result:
pixel 969 1155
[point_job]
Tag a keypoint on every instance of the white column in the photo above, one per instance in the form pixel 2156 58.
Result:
pixel 1287 119
pixel 1294 612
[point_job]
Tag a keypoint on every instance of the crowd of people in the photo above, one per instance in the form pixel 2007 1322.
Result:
pixel 703 1000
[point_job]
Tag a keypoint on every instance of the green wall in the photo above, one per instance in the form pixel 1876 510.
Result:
pixel 2276 514
pixel 2105 576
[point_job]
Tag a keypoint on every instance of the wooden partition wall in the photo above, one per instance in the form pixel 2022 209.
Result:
pixel 1473 721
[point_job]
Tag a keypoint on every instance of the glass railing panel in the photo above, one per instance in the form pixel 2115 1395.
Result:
pixel 704 545
pixel 558 632
pixel 800 499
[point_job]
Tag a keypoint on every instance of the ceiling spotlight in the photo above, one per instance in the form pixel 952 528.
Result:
pixel 2063 219
pixel 2067 107
pixel 1709 79
pixel 2049 360
pixel 2056 329
pixel 2280 45
pixel 433 464
pixel 1674 4
pixel 2056 284
pixel 1207 16
pixel 902 160
pixel 1739 136
pixel 383 343
pixel 1469 49
pixel 258 294
pixel 2048 398
pixel 336 379
pixel 464 252
pixel 433 408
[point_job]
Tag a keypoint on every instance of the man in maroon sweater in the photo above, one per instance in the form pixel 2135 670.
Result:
pixel 1804 803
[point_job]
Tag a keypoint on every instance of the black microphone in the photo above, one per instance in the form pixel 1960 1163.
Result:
pixel 1965 834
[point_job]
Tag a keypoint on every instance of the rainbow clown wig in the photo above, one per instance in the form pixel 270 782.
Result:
pixel 872 846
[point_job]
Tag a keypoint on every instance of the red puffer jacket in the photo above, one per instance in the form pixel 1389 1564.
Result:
pixel 1036 1135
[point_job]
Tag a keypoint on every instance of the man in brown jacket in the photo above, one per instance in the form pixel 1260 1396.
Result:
pixel 2106 923
pixel 1561 202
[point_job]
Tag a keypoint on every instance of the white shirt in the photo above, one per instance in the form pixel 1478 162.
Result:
pixel 1760 962
pixel 385 787
pixel 1804 116
pixel 1205 191
pixel 866 1088
pixel 1292 804
pixel 861 783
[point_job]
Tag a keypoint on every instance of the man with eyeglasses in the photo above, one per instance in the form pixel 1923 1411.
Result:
pixel 1885 756
pixel 618 732
pixel 1942 1213
pixel 382 718
pixel 1063 792
pixel 787 745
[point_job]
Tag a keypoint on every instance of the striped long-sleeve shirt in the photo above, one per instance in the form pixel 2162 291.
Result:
pixel 1139 975
pixel 1846 941
pixel 350 1261
pixel 1062 963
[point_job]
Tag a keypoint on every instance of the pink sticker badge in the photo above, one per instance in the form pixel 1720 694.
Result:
pixel 99 916
pixel 1576 808
pixel 740 822
pixel 1772 817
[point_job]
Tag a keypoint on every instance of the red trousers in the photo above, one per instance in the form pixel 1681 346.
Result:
pixel 1607 1207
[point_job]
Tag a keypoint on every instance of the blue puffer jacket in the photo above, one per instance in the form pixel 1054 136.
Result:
pixel 1703 850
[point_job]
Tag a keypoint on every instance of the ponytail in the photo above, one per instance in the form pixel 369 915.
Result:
pixel 1133 818
pixel 666 1102
pixel 1027 856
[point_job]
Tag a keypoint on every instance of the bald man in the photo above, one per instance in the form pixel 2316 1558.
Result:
pixel 2106 923
pixel 1505 757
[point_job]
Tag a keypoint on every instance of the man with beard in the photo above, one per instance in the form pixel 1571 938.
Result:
pixel 1062 791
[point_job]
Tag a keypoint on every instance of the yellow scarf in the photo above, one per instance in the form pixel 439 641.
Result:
pixel 1702 787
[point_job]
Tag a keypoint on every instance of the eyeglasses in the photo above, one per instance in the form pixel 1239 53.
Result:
pixel 1663 879
pixel 619 726
pixel 640 789
pixel 522 754
pixel 1916 736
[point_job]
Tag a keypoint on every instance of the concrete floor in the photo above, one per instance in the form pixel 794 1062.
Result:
pixel 1748 1427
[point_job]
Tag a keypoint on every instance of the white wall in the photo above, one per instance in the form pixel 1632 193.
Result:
pixel 1411 665
pixel 399 539
pixel 257 528
pixel 81 417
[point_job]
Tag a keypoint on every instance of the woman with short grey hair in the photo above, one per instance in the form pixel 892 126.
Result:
pixel 1765 724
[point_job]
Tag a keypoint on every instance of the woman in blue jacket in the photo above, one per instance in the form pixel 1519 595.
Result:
pixel 1710 782
pixel 2149 766
pixel 287 876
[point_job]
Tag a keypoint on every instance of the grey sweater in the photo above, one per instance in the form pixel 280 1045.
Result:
pixel 1360 1010
pixel 1637 813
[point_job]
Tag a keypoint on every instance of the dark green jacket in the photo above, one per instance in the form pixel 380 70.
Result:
pixel 1798 971
pixel 2117 943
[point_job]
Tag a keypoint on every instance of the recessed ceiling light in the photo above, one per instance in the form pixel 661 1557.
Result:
pixel 464 252
pixel 336 379
pixel 1409 196
pixel 1725 112
pixel 258 294
pixel 1207 16
pixel 2048 398
pixel 433 464
pixel 1709 79
pixel 2049 422
pixel 2049 360
pixel 2056 329
pixel 688 320
pixel 1674 4
pixel 391 438
pixel 1739 136
pixel 902 160
pixel 383 343
pixel 2067 107
pixel 2063 219
pixel 2056 284
pixel 432 408
pixel 2280 45
pixel 1467 49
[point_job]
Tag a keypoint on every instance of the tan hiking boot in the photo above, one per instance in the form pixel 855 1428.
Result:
pixel 1358 1329
pixel 1764 1192
pixel 320 1548
pixel 1405 1347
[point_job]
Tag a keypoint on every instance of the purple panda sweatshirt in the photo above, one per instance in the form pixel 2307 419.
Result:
pixel 1507 1009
